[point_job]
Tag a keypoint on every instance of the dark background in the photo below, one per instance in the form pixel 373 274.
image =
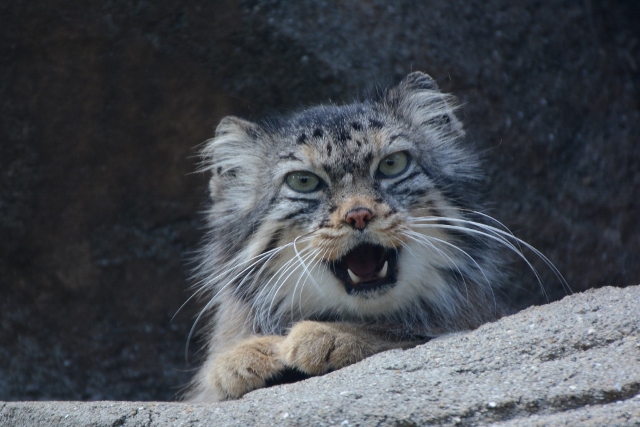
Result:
pixel 102 105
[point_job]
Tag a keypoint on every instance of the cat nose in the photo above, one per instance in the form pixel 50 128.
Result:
pixel 358 218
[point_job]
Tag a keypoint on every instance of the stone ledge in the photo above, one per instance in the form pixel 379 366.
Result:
pixel 576 361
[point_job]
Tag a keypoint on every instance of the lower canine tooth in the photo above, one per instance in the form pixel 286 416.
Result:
pixel 354 277
pixel 383 272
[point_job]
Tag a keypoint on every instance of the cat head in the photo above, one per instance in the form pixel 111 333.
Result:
pixel 349 212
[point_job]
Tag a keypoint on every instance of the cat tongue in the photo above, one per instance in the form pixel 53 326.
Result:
pixel 365 260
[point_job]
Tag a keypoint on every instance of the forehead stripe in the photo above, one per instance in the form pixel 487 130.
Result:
pixel 290 156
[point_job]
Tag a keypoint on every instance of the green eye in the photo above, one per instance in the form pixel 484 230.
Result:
pixel 394 164
pixel 303 182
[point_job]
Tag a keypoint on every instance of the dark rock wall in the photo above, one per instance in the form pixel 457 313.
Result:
pixel 103 103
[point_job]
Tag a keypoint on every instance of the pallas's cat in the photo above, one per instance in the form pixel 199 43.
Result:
pixel 339 232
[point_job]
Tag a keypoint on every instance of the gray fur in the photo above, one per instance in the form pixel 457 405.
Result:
pixel 260 254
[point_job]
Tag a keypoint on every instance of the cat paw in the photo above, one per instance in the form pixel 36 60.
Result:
pixel 316 348
pixel 245 367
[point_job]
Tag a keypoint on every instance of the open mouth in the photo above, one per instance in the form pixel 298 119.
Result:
pixel 367 268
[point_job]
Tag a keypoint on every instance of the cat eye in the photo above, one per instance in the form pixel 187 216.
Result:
pixel 303 182
pixel 394 164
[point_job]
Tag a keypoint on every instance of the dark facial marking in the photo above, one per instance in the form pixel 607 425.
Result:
pixel 329 149
pixel 375 124
pixel 289 156
pixel 405 178
pixel 343 136
pixel 273 243
pixel 392 138
pixel 317 133
pixel 302 199
pixel 415 192
pixel 302 138
pixel 299 212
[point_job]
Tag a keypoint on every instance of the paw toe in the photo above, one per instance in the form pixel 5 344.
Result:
pixel 317 348
pixel 244 368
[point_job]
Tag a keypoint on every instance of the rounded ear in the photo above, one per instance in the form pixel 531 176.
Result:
pixel 418 81
pixel 240 127
pixel 418 100
pixel 234 156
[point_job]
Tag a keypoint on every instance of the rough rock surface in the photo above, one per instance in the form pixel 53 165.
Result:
pixel 572 362
pixel 103 102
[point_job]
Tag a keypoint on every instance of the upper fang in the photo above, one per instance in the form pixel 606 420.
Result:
pixel 354 277
pixel 383 272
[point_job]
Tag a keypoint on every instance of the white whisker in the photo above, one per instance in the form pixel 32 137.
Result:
pixel 466 254
pixel 272 289
pixel 496 234
pixel 230 267
pixel 303 278
pixel 290 266
pixel 424 239
pixel 315 262
pixel 303 264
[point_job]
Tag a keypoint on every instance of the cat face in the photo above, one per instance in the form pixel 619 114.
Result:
pixel 355 212
pixel 349 194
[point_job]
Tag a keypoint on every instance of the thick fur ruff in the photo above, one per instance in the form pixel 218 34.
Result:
pixel 339 232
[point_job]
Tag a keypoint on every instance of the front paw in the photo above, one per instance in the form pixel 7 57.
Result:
pixel 245 367
pixel 316 348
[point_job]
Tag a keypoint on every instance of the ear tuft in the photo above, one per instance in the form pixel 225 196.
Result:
pixel 234 156
pixel 418 101
pixel 418 81
pixel 234 125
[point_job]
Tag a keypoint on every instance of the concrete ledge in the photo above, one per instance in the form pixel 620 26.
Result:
pixel 573 362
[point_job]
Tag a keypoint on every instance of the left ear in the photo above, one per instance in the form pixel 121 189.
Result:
pixel 418 100
pixel 418 81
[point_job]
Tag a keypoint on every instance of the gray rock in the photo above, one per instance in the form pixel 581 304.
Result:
pixel 572 362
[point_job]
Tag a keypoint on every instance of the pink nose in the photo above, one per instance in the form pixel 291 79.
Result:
pixel 358 218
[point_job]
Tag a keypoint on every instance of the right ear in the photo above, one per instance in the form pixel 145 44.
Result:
pixel 237 126
pixel 234 156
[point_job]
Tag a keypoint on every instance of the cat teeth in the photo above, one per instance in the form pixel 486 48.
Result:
pixel 381 274
pixel 354 277
pixel 383 271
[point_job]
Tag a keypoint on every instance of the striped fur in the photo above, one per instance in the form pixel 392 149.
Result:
pixel 269 263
